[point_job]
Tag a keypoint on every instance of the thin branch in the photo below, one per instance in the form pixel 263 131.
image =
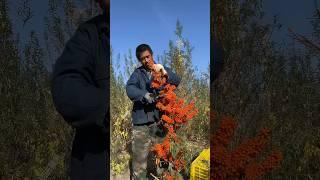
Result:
pixel 303 40
pixel 25 12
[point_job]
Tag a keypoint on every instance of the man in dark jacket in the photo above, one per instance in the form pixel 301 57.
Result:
pixel 145 115
pixel 80 89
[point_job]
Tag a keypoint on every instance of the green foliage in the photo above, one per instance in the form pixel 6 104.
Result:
pixel 120 121
pixel 192 87
pixel 35 141
pixel 265 84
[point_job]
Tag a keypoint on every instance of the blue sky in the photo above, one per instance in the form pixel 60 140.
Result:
pixel 294 14
pixel 154 21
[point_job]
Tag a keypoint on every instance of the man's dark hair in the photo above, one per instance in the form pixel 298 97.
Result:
pixel 141 48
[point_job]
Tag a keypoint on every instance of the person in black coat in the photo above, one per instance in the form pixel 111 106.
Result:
pixel 80 90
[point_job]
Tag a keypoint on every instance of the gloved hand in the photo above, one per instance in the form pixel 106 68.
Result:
pixel 160 68
pixel 149 98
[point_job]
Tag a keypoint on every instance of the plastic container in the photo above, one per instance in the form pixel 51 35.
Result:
pixel 200 167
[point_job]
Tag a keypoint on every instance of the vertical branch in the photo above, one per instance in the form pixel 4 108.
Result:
pixel 25 12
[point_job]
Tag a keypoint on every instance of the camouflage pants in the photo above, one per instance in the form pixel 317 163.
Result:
pixel 144 137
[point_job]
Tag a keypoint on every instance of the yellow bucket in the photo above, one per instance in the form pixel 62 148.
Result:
pixel 200 167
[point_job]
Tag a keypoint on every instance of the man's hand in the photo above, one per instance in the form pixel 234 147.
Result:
pixel 160 68
pixel 149 98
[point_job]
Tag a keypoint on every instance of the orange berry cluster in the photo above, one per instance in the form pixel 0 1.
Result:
pixel 175 114
pixel 239 163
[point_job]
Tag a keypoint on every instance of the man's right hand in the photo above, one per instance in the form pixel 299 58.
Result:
pixel 149 98
pixel 160 68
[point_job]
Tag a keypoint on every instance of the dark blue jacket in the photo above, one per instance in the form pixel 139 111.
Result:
pixel 80 89
pixel 137 86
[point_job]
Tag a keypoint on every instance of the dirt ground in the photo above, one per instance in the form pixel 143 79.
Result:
pixel 124 176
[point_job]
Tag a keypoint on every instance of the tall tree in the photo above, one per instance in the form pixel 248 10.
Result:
pixel 9 72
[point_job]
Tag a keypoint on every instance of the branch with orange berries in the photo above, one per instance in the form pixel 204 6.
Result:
pixel 175 114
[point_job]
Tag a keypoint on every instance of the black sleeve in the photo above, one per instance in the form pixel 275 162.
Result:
pixel 76 97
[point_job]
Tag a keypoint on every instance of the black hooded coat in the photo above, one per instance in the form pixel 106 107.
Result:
pixel 80 90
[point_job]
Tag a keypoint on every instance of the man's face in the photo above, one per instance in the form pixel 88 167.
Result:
pixel 146 59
